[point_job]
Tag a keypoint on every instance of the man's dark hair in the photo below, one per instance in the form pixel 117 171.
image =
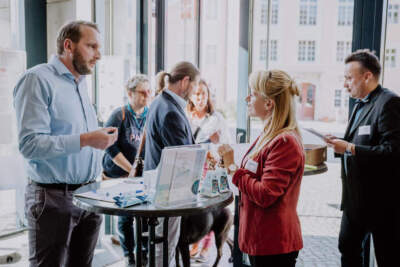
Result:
pixel 72 31
pixel 367 59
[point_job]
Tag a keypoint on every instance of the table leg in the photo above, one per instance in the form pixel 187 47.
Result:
pixel 138 241
pixel 153 222
pixel 165 242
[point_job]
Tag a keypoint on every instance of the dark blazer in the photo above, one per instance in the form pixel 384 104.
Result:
pixel 167 125
pixel 370 184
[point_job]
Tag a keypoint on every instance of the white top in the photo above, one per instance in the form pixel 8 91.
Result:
pixel 213 123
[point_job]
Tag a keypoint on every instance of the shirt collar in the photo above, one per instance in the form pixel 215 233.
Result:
pixel 181 102
pixel 62 69
pixel 367 98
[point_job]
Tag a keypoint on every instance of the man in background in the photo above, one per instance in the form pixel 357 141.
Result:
pixel 167 125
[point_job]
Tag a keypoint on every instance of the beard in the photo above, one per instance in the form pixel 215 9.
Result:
pixel 79 64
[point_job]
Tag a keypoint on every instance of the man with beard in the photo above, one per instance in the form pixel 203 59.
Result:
pixel 60 140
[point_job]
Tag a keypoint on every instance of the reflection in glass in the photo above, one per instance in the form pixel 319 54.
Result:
pixel 181 20
pixel 219 46
pixel 119 63
pixel 311 52
pixel 391 68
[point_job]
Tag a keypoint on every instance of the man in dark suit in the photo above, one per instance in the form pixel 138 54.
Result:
pixel 167 125
pixel 370 156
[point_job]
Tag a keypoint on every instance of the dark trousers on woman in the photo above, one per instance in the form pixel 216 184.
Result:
pixel 279 260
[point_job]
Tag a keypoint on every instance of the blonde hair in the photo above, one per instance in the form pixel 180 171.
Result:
pixel 278 86
pixel 178 72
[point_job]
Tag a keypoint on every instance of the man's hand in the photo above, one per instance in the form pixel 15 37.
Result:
pixel 226 153
pixel 100 139
pixel 338 145
pixel 329 137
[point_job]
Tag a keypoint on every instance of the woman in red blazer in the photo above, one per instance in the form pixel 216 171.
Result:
pixel 270 174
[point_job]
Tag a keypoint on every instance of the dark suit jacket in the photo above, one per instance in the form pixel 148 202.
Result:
pixel 167 125
pixel 370 184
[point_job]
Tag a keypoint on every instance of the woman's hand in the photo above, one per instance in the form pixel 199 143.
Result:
pixel 214 138
pixel 226 153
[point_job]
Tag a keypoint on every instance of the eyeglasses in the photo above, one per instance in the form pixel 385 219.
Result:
pixel 146 93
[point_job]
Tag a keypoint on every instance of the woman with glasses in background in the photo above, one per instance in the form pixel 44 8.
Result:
pixel 207 125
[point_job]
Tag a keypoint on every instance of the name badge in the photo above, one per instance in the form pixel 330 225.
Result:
pixel 364 130
pixel 251 165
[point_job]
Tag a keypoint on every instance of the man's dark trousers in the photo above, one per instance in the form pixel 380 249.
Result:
pixel 60 234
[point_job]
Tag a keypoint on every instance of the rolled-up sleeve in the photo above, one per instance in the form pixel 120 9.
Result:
pixel 31 103
pixel 279 168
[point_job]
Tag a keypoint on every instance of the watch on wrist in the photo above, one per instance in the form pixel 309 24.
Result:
pixel 232 168
pixel 348 150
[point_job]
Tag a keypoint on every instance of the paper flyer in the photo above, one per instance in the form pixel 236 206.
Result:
pixel 179 174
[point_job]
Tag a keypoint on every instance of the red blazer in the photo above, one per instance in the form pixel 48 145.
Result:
pixel 269 223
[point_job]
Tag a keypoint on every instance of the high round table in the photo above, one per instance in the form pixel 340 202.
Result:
pixel 319 169
pixel 149 212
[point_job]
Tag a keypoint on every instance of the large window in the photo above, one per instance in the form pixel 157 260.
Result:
pixel 390 51
pixel 212 9
pixel 345 12
pixel 219 46
pixel 118 62
pixel 311 49
pixel 181 31
pixel 308 12
pixel 314 56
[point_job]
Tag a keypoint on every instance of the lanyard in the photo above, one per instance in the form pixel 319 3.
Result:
pixel 140 124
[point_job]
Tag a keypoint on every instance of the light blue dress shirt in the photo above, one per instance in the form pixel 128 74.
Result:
pixel 52 110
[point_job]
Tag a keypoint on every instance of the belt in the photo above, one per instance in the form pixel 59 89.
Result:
pixel 61 186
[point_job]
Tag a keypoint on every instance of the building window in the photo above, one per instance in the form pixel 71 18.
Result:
pixel 211 52
pixel 343 48
pixel 390 58
pixel 393 14
pixel 273 50
pixel 338 98
pixel 212 9
pixel 345 14
pixel 263 50
pixel 308 12
pixel 264 11
pixel 274 12
pixel 306 51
